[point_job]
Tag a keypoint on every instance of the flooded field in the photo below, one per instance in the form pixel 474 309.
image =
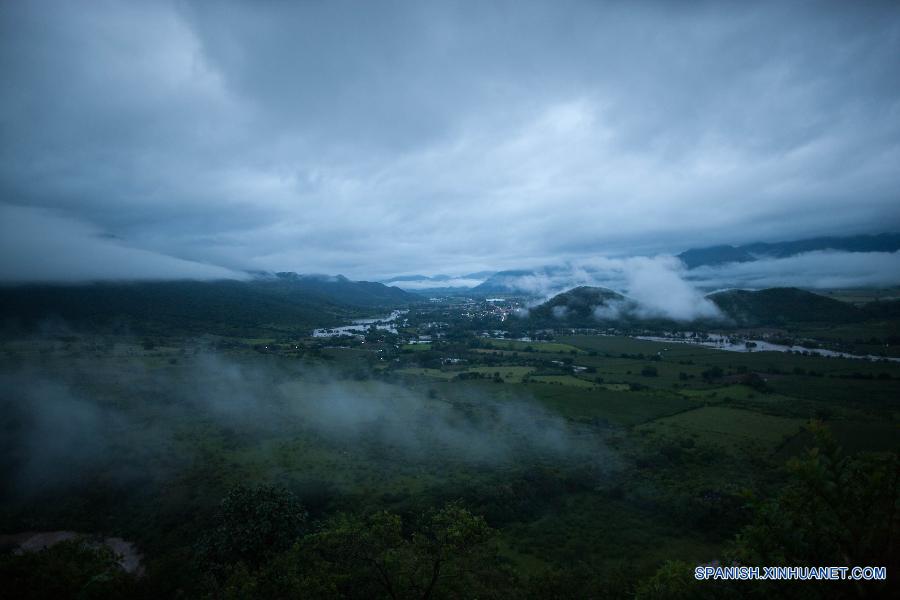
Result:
pixel 721 342
pixel 360 326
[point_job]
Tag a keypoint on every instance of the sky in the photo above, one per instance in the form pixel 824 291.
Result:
pixel 204 139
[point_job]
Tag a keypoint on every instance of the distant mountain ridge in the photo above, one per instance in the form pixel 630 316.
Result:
pixel 547 279
pixel 337 288
pixel 510 282
pixel 724 254
pixel 282 302
pixel 440 282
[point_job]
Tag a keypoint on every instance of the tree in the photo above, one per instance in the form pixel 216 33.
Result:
pixel 448 554
pixel 835 510
pixel 755 381
pixel 674 581
pixel 650 371
pixel 713 373
pixel 252 525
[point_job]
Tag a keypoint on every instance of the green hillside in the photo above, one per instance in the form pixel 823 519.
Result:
pixel 285 303
pixel 576 307
pixel 781 306
pixel 591 306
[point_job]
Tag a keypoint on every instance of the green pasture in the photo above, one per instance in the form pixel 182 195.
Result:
pixel 730 428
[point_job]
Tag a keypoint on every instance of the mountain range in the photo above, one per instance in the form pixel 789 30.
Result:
pixel 526 280
pixel 292 302
pixel 437 278
pixel 438 284
pixel 723 254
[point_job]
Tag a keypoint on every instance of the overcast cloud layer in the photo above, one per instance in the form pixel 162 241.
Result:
pixel 192 139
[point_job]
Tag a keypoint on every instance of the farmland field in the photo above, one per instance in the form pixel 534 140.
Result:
pixel 728 428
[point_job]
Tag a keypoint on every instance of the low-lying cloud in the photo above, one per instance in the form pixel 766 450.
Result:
pixel 660 290
pixel 662 287
pixel 821 269
pixel 656 285
pixel 425 284
pixel 123 421
pixel 41 246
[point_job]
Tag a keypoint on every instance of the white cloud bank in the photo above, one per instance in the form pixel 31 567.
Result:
pixel 39 246
pixel 656 284
pixel 425 284
pixel 821 269
pixel 661 286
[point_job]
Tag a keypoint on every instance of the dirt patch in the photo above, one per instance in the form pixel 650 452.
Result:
pixel 34 541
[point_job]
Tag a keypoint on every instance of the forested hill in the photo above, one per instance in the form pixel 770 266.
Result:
pixel 339 289
pixel 285 303
pixel 779 306
pixel 591 306
pixel 582 306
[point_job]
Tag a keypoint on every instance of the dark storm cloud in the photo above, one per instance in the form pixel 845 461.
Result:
pixel 376 138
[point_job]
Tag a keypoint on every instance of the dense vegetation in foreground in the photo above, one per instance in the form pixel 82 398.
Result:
pixel 464 466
